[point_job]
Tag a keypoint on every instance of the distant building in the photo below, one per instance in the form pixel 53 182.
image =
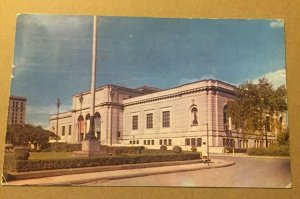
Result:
pixel 180 116
pixel 16 110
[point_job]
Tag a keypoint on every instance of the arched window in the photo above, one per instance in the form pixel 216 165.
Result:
pixel 226 120
pixel 194 116
pixel 97 119
pixel 81 127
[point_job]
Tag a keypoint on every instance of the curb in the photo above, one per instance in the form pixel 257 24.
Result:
pixel 124 176
pixel 60 172
pixel 251 156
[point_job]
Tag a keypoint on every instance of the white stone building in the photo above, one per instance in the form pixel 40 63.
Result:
pixel 181 116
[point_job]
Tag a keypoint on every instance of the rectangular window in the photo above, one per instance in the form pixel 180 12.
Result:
pixel 268 127
pixel 137 142
pixel 145 142
pixel 70 129
pixel 148 142
pixel 63 131
pixel 119 134
pixel 160 142
pixel 187 141
pixel 134 122
pixel 130 142
pixel 149 121
pixel 166 119
pixel 152 142
pixel 199 142
pixel 165 141
pixel 193 141
pixel 169 142
pixel 133 141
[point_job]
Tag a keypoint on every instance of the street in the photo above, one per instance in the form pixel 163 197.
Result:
pixel 247 172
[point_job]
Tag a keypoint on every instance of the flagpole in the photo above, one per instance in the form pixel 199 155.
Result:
pixel 91 133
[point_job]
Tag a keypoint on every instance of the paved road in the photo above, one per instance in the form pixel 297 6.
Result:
pixel 247 172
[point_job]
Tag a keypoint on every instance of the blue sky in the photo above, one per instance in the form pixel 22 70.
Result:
pixel 53 55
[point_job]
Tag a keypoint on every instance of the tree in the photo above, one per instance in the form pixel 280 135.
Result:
pixel 255 106
pixel 19 134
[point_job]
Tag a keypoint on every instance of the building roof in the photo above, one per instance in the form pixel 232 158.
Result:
pixel 21 98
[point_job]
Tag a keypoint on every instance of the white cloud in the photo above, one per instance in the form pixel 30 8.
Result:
pixel 277 78
pixel 277 24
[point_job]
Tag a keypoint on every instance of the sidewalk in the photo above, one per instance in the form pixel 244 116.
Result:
pixel 243 155
pixel 76 179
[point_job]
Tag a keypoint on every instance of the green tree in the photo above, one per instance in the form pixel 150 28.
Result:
pixel 255 106
pixel 19 134
pixel 283 137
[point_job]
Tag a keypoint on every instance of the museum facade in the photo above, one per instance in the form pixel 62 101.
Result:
pixel 187 115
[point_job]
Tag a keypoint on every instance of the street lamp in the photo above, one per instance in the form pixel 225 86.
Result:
pixel 80 100
pixel 57 105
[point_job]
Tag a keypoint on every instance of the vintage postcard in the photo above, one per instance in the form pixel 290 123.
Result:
pixel 132 101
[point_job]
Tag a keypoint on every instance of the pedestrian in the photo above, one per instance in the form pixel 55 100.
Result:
pixel 204 152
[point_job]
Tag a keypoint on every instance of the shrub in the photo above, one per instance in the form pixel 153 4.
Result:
pixel 156 151
pixel 163 148
pixel 273 150
pixel 123 149
pixel 194 149
pixel 35 165
pixel 177 149
pixel 22 154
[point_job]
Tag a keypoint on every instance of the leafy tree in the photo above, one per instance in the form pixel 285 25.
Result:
pixel 255 106
pixel 283 137
pixel 19 134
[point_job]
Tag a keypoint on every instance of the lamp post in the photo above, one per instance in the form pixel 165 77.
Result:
pixel 57 105
pixel 80 100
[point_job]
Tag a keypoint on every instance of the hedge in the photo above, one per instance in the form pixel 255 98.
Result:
pixel 123 149
pixel 35 165
pixel 273 150
pixel 64 147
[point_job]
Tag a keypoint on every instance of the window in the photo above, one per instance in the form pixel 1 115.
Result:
pixel 152 142
pixel 145 142
pixel 133 142
pixel 63 131
pixel 165 141
pixel 160 142
pixel 149 122
pixel 268 124
pixel 225 118
pixel 193 141
pixel 70 129
pixel 130 142
pixel 134 122
pixel 166 119
pixel 187 141
pixel 137 142
pixel 199 142
pixel 280 121
pixel 169 142
pixel 148 142
pixel 194 116
pixel 119 134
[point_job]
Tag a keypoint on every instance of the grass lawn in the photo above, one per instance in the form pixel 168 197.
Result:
pixel 49 155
